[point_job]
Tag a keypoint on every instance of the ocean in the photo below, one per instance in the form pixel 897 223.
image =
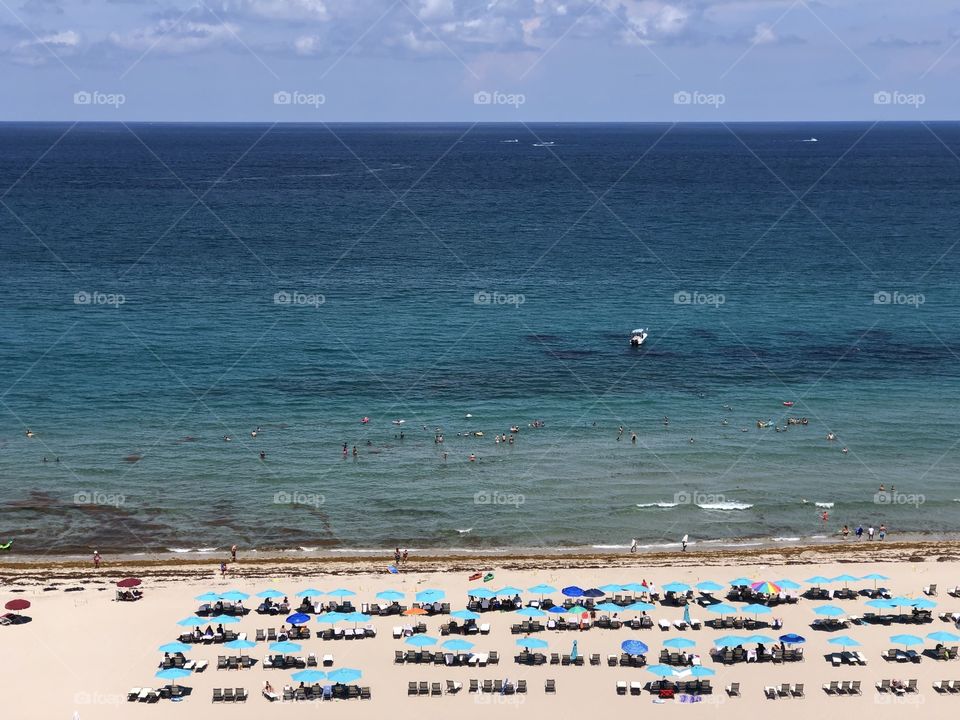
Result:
pixel 167 286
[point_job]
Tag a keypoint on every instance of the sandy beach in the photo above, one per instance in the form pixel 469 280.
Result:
pixel 83 651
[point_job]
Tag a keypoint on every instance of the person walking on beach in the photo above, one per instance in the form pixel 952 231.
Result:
pixel 405 554
pixel 233 553
pixel 859 532
pixel 223 569
pixel 96 559
pixel 845 532
pixel 683 543
pixel 883 531
pixel 396 556
pixel 633 545
pixel 870 532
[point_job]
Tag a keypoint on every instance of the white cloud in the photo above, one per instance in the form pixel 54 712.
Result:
pixel 173 37
pixel 763 34
pixel 41 49
pixel 436 9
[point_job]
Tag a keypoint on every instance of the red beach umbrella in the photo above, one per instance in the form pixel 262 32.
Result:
pixel 129 582
pixel 18 604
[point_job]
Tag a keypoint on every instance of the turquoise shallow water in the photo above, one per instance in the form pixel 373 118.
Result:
pixel 398 244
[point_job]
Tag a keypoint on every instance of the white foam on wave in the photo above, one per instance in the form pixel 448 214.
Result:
pixel 207 550
pixel 179 550
pixel 308 549
pixel 665 505
pixel 724 506
pixel 464 531
pixel 786 539
pixel 610 547
pixel 825 505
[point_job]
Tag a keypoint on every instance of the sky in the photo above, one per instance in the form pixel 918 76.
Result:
pixel 479 60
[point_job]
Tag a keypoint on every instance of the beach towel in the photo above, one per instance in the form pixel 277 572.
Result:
pixel 6 545
pixel 475 576
pixel 392 570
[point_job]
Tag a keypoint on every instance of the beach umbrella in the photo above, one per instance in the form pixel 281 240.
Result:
pixel 577 610
pixel 634 588
pixel 207 597
pixel 676 587
pixel 331 617
pixel 709 586
pixel 844 641
pixel 943 636
pixel 416 611
pixel 270 594
pixel 741 582
pixel 557 609
pixel 240 644
pixel 234 595
pixel 906 640
pixel 344 675
pixel 758 639
pixel 308 676
pixel 818 580
pixel 192 620
pixel 574 651
pixel 175 647
pixel 730 641
pixel 457 645
pixel 465 615
pixel 390 595
pixel 846 579
pixel 882 604
pixel 788 584
pixel 608 607
pixel 530 612
pixel 634 647
pixel 699 671
pixel 593 593
pixel 509 590
pixel 757 609
pixel 766 587
pixel 482 593
pixel 686 614
pixel 430 596
pixel 542 589
pixel 129 582
pixel 17 604
pixel 923 604
pixel 679 643
pixel 662 670
pixel 223 620
pixel 298 619
pixel 420 641
pixel 311 592
pixel 172 674
pixel 356 617
pixel 722 609
pixel 792 639
pixel 341 593
pixel 875 577
pixel 573 591
pixel 531 643
pixel 608 589
pixel 829 611
pixel 285 647
pixel 640 607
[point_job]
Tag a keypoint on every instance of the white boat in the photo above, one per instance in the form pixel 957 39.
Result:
pixel 546 143
pixel 638 337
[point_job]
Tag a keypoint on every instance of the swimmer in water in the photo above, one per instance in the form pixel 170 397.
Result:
pixel 253 433
pixel 845 451
pixel 263 455
pixel 473 457
pixel 29 432
pixel 633 438
pixel 666 420
pixel 227 438
pixel 825 516
pixel 355 453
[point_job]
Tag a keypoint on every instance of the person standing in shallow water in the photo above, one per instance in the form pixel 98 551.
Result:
pixel 233 553
pixel 96 559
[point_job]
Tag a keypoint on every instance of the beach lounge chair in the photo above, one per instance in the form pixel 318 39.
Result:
pixel 783 690
pixel 488 686
pixel 912 686
pixel 733 689
pixel 365 693
pixel 611 660
pixel 228 695
pixel 522 687
pixel 770 692
pixel 435 689
pixel 797 690
pixel 883 686
pixel 453 687
pixel 635 687
pixel 484 629
pixel 930 590
pixel 493 657
pixel 412 687
pixel 217 695
pixel 832 688
pixel 240 694
pixel 474 686
pixel 424 687
pixel 941 686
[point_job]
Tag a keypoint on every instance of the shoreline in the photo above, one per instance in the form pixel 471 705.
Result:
pixel 263 565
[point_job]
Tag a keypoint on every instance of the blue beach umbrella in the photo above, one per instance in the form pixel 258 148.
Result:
pixel 577 610
pixel 341 593
pixel 874 576
pixel 730 641
pixel 175 647
pixel 906 640
pixel 234 595
pixel 223 620
pixel 844 641
pixel 430 596
pixel 270 594
pixel 465 615
pixel 509 590
pixel 829 611
pixel 846 579
pixel 722 609
pixel 881 603
pixel 308 676
pixel 344 675
pixel 310 592
pixel 420 641
pixel 532 643
pixel 482 593
pixel 943 636
pixel 676 587
pixel 240 644
pixel 679 643
pixel 700 671
pixel 285 647
pixel 709 586
pixel 573 591
pixel 757 609
pixel 530 612
pixel 634 588
pixel 574 651
pixel 741 582
pixel 542 589
pixel 608 607
pixel 788 584
pixel 172 674
pixel 608 589
pixel 593 593
pixel 634 647
pixel 457 645
pixel 662 670
pixel 792 639
pixel 332 617
pixel 298 619
pixel 640 607
pixel 818 580
pixel 192 620
pixel 923 604
pixel 758 639
pixel 356 617
pixel 390 595
pixel 207 597
pixel 557 609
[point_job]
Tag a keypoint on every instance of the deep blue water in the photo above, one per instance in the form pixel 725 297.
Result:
pixel 398 228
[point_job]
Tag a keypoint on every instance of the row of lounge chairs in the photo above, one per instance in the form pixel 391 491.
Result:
pixel 467 628
pixel 411 657
pixel 529 658
pixel 896 687
pixel 320 692
pixel 293 633
pixel 947 686
pixel 222 607
pixel 729 656
pixel 215 638
pixel 666 688
pixel 784 690
pixel 234 662
pixel 843 687
pixel 229 695
pixel 748 595
pixel 408 630
pixel 287 662
pixel 847 657
pixel 499 687
pixel 149 695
